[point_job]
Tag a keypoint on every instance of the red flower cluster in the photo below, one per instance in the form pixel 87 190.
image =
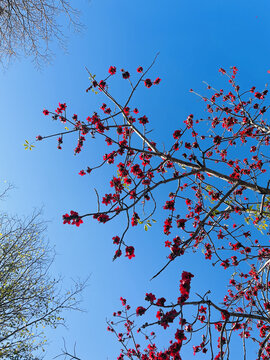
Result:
pixel 181 223
pixel 73 218
pixel 185 287
pixel 140 310
pixel 102 218
pixel 59 110
pixel 134 220
pixel 167 226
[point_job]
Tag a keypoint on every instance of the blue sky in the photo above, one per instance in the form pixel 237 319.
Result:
pixel 194 39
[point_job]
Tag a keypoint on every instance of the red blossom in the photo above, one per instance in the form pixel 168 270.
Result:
pixel 130 252
pixel 181 223
pixel 180 336
pixel 143 120
pixel 125 75
pixel 167 226
pixel 150 297
pixel 112 70
pixel 148 83
pixel 157 81
pixel 134 220
pixel 222 71
pixel 161 302
pixel 140 310
pixel 116 240
pixel 73 218
pixel 177 134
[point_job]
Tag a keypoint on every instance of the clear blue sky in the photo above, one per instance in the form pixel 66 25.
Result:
pixel 194 39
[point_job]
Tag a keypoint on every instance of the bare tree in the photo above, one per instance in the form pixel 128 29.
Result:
pixel 29 299
pixel 27 26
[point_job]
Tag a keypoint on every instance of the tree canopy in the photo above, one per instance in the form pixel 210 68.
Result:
pixel 30 299
pixel 28 27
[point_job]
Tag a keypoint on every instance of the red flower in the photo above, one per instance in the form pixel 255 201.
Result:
pixel 112 70
pixel 148 83
pixel 74 217
pixel 102 84
pixel 161 301
pixel 116 240
pixel 159 314
pixel 169 205
pixel 82 173
pixel 202 310
pixel 134 220
pixel 157 81
pixel 150 297
pixel 107 199
pixel 189 121
pixel 167 226
pixel 132 194
pixel 116 183
pixel 181 223
pixel 140 310
pixel 180 336
pixel 177 134
pixel 103 218
pixel 140 69
pixel 126 110
pixel 126 75
pixel 185 286
pixel 108 141
pixel 45 112
pixel 143 120
pixel 130 252
pixel 62 107
pixel 188 201
pixel 217 140
pixel 117 254
pixel 78 221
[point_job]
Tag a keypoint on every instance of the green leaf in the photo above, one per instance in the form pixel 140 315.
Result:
pixel 28 146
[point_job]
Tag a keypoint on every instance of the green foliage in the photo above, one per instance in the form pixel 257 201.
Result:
pixel 29 299
pixel 147 223
pixel 28 146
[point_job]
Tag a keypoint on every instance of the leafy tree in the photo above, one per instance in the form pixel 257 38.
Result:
pixel 28 27
pixel 29 299
pixel 217 167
